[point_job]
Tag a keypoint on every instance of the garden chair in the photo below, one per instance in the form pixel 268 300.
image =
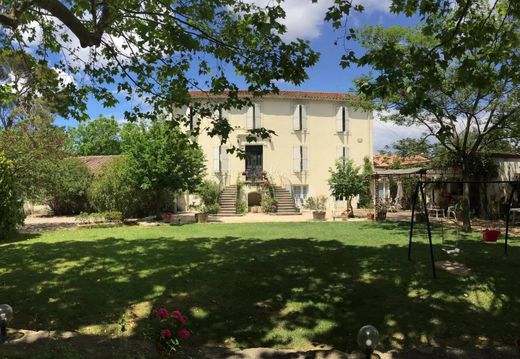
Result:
pixel 452 210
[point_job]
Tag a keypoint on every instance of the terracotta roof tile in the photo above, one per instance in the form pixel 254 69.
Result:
pixel 292 95
pixel 95 163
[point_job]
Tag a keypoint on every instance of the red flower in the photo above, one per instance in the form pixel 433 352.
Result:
pixel 166 334
pixel 184 334
pixel 178 316
pixel 162 312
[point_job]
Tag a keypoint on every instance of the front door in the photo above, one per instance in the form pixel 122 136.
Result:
pixel 254 162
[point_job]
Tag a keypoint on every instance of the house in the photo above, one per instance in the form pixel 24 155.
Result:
pixel 313 130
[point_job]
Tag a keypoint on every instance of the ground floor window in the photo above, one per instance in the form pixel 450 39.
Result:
pixel 300 194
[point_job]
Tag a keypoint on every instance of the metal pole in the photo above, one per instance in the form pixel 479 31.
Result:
pixel 509 202
pixel 427 217
pixel 414 201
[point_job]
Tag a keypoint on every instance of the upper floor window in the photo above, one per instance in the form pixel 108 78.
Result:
pixel 300 159
pixel 253 117
pixel 342 119
pixel 300 118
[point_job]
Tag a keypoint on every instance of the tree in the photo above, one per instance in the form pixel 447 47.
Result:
pixel 346 182
pixel 407 147
pixel 160 156
pixel 11 203
pixel 97 137
pixel 153 52
pixel 457 75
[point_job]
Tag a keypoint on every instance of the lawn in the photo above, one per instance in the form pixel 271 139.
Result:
pixel 294 285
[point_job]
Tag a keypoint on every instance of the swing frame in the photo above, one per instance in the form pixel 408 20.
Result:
pixel 420 188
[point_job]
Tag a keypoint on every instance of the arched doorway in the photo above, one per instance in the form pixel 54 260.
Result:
pixel 254 199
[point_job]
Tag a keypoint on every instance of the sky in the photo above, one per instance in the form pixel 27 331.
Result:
pixel 304 19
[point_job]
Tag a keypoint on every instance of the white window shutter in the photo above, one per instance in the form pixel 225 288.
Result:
pixel 258 115
pixel 224 159
pixel 304 117
pixel 347 153
pixel 339 152
pixel 339 119
pixel 297 159
pixel 216 159
pixel 249 118
pixel 347 120
pixel 305 162
pixel 296 118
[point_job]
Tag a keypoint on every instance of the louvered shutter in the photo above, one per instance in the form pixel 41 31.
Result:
pixel 297 159
pixel 258 116
pixel 305 162
pixel 249 118
pixel 296 118
pixel 304 118
pixel 216 159
pixel 339 119
pixel 224 159
pixel 347 120
pixel 339 152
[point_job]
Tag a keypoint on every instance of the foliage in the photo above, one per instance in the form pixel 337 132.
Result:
pixel 456 75
pixel 408 147
pixel 99 217
pixel 269 204
pixel 365 197
pixel 156 51
pixel 345 181
pixel 241 207
pixel 317 203
pixel 209 192
pixel 169 332
pixel 11 204
pixel 160 157
pixel 97 137
pixel 66 193
pixel 34 146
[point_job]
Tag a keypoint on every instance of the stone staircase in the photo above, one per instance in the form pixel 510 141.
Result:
pixel 285 201
pixel 228 201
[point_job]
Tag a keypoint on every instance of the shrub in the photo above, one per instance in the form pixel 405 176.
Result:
pixel 212 208
pixel 269 204
pixel 241 207
pixel 67 191
pixel 11 204
pixel 316 203
pixel 99 217
pixel 209 192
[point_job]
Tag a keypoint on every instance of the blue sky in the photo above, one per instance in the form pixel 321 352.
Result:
pixel 305 20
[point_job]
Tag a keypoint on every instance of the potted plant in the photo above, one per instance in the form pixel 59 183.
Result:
pixel 381 209
pixel 209 193
pixel 167 216
pixel 317 205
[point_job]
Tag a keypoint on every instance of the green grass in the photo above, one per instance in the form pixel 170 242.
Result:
pixel 270 285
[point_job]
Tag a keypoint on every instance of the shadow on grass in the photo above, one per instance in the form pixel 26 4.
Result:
pixel 283 292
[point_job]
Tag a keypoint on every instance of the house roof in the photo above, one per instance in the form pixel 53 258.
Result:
pixel 291 95
pixel 385 160
pixel 95 163
pixel 400 172
pixel 505 155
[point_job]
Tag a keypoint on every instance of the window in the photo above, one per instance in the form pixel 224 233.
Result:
pixel 253 117
pixel 300 194
pixel 220 159
pixel 300 118
pixel 300 159
pixel 342 152
pixel 342 119
pixel 191 117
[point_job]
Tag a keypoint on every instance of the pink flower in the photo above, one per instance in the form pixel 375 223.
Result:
pixel 166 334
pixel 178 316
pixel 184 334
pixel 162 312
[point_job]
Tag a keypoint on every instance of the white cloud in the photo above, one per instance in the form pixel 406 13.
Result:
pixel 386 133
pixel 375 5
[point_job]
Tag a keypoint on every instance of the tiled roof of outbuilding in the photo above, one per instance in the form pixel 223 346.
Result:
pixel 95 163
pixel 291 95
pixel 385 160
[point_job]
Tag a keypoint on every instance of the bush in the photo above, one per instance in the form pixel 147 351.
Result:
pixel 241 207
pixel 209 192
pixel 115 189
pixel 212 208
pixel 67 191
pixel 269 204
pixel 11 204
pixel 316 203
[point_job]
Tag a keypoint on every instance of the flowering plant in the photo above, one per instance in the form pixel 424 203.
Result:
pixel 169 329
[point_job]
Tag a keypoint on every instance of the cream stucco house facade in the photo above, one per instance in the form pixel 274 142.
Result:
pixel 313 130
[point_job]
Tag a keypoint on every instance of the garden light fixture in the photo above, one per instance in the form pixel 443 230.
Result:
pixel 6 314
pixel 368 338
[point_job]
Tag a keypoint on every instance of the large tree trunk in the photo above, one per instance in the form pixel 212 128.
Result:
pixel 465 202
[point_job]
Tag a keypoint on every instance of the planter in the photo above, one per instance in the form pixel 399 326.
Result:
pixel 318 215
pixel 167 217
pixel 344 217
pixel 490 235
pixel 201 217
pixel 370 216
pixel 381 216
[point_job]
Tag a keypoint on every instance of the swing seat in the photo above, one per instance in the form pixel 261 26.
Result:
pixel 490 235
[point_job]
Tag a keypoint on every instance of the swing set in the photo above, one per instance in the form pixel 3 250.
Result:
pixel 420 188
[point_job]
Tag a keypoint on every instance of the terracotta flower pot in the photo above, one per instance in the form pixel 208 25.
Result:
pixel 201 217
pixel 167 217
pixel 318 215
pixel 370 216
